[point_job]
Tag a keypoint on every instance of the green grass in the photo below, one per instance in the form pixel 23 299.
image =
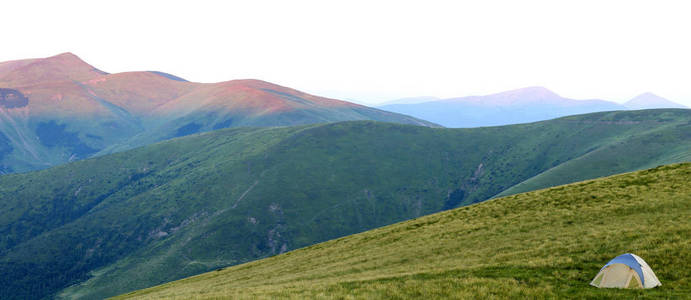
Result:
pixel 543 244
pixel 640 149
pixel 116 223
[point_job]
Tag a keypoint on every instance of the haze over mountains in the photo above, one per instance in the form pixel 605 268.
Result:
pixel 513 107
pixel 58 109
pixel 133 219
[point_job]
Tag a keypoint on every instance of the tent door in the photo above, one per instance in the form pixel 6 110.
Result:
pixel 633 282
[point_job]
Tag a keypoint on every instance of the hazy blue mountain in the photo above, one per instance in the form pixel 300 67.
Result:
pixel 650 100
pixel 411 100
pixel 512 107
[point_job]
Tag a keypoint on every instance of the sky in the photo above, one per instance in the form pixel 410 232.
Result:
pixel 374 51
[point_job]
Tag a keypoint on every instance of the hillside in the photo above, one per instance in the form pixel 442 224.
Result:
pixel 162 212
pixel 511 107
pixel 543 244
pixel 59 109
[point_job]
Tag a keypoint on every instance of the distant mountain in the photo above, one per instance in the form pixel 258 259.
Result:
pixel 58 109
pixel 129 220
pixel 650 100
pixel 411 100
pixel 547 244
pixel 512 107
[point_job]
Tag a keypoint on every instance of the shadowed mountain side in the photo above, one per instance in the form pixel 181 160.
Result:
pixel 169 76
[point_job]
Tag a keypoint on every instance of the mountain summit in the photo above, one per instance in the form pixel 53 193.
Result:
pixel 65 66
pixel 528 94
pixel 649 100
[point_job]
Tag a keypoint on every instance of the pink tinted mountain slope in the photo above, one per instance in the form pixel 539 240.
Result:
pixel 60 108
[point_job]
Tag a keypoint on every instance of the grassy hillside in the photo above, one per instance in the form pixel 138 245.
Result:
pixel 543 244
pixel 623 153
pixel 178 208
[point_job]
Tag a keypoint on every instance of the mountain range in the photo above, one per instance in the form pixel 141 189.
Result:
pixel 116 182
pixel 513 107
pixel 59 109
pixel 110 224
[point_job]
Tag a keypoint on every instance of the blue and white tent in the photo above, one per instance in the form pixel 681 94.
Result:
pixel 626 271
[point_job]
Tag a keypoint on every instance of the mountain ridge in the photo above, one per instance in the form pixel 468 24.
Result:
pixel 523 105
pixel 91 112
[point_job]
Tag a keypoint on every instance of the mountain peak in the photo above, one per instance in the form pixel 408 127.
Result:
pixel 649 100
pixel 533 94
pixel 67 55
pixel 70 60
pixel 64 66
pixel 532 91
pixel 647 94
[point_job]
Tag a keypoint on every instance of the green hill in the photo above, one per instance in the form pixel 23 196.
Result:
pixel 544 244
pixel 135 219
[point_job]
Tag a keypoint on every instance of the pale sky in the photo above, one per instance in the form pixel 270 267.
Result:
pixel 373 51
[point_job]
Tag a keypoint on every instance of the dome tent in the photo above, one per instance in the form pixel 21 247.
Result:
pixel 626 271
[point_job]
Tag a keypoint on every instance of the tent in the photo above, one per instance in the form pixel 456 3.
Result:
pixel 626 271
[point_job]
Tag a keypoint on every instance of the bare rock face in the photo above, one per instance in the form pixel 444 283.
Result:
pixel 10 98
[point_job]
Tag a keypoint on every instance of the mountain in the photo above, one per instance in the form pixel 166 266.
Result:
pixel 114 223
pixel 543 244
pixel 411 100
pixel 649 101
pixel 512 107
pixel 57 109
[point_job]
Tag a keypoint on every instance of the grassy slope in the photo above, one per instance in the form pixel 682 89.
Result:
pixel 543 244
pixel 624 153
pixel 193 204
